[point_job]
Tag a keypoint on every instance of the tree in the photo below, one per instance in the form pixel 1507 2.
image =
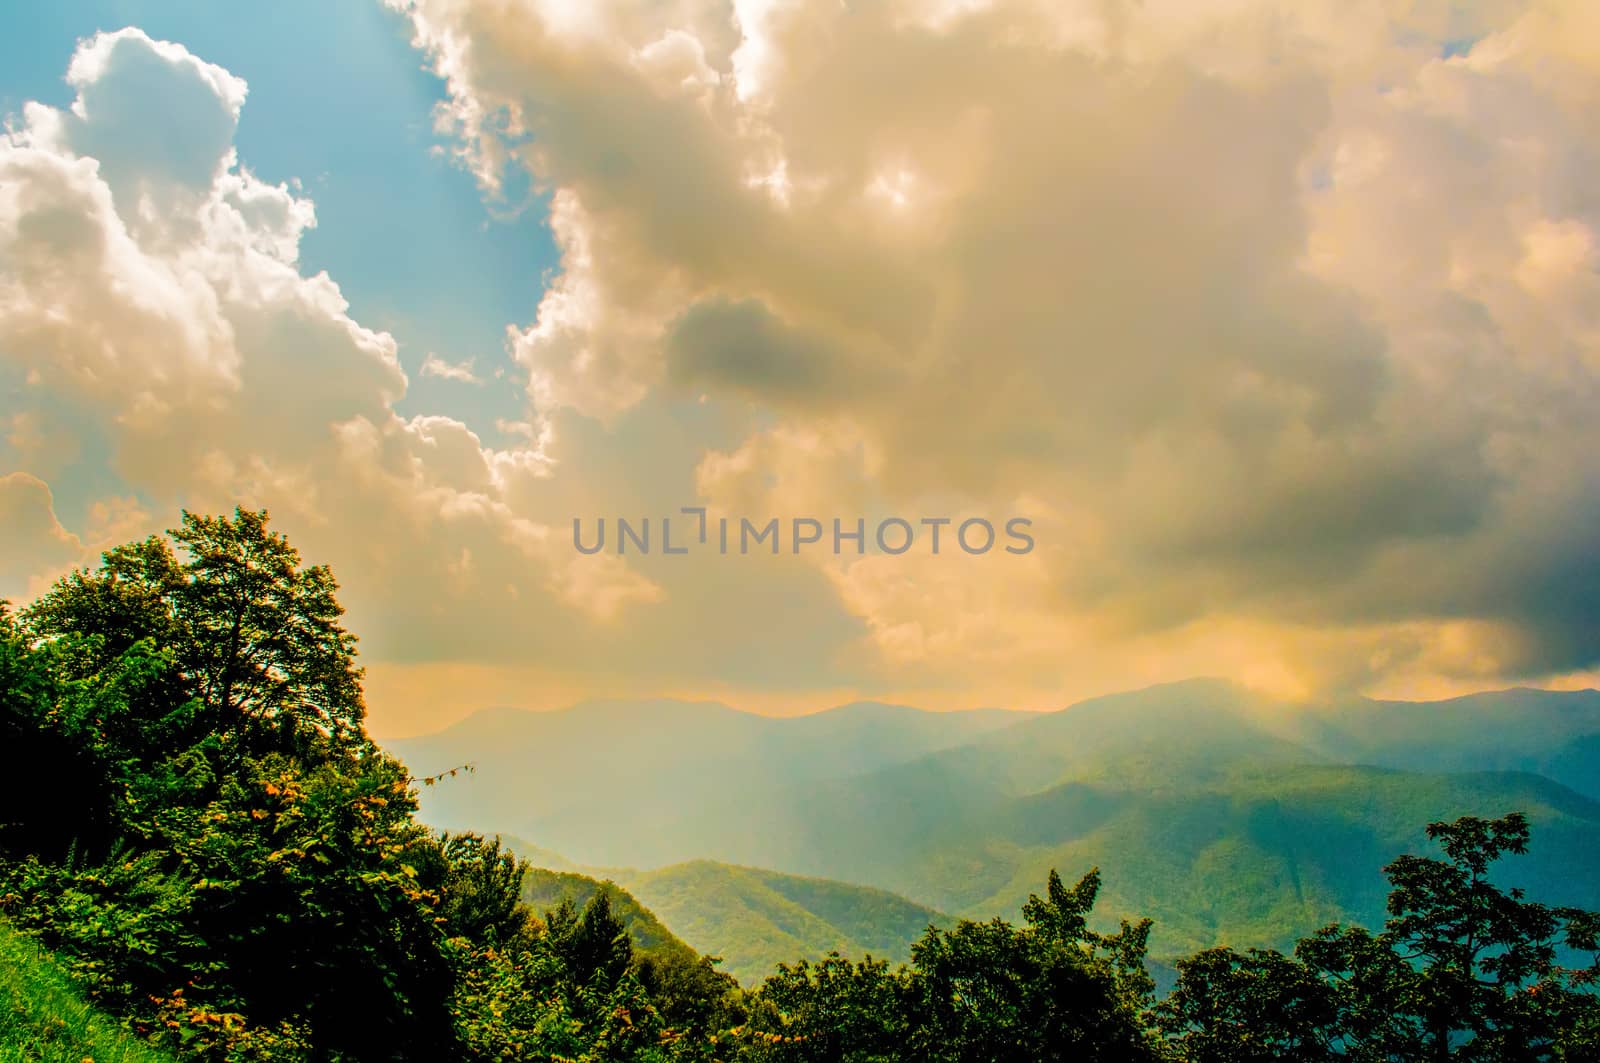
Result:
pixel 1462 970
pixel 593 945
pixel 1253 1007
pixel 481 890
pixel 1051 990
pixel 256 635
pixel 84 727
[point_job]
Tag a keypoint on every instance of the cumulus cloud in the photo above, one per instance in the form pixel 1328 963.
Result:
pixel 150 293
pixel 39 548
pixel 163 337
pixel 1284 315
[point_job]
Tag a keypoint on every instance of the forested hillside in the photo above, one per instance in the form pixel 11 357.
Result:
pixel 545 890
pixel 1228 818
pixel 228 868
pixel 755 919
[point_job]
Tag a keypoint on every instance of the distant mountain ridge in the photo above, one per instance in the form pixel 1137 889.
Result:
pixel 572 775
pixel 1224 815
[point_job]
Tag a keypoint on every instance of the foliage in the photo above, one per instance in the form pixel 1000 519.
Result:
pixel 1049 990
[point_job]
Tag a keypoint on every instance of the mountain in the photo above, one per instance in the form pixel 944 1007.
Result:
pixel 1264 858
pixel 1551 733
pixel 1226 816
pixel 634 782
pixel 755 919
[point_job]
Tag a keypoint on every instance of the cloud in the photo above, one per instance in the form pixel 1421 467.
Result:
pixel 39 549
pixel 1279 321
pixel 1282 315
pixel 743 348
pixel 36 543
pixel 158 323
pixel 461 372
pixel 149 286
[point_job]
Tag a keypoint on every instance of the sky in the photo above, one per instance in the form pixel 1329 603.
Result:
pixel 1278 322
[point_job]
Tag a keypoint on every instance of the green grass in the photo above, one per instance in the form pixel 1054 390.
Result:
pixel 43 1018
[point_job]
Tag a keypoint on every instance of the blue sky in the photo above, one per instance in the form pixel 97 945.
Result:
pixel 340 100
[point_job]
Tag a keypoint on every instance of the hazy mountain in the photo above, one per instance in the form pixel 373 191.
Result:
pixel 1551 733
pixel 1222 814
pixel 634 782
pixel 1263 858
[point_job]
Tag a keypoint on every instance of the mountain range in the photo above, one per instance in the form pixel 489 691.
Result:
pixel 1226 816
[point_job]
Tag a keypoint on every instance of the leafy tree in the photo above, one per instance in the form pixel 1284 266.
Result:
pixel 266 644
pixel 256 635
pixel 689 991
pixel 480 888
pixel 1462 970
pixel 82 736
pixel 1051 990
pixel 833 1010
pixel 1251 1007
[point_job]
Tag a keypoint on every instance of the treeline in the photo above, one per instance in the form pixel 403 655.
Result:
pixel 195 820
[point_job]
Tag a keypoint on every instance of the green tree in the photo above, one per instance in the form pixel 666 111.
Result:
pixel 1050 990
pixel 1251 1007
pixel 255 634
pixel 1462 970
pixel 593 945
pixel 833 1011
pixel 991 992
pixel 480 888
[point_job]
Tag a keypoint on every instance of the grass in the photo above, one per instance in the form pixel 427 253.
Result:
pixel 43 1017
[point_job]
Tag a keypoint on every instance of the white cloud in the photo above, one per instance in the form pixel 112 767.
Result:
pixel 149 285
pixel 461 372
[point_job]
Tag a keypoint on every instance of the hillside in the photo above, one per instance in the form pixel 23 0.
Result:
pixel 1264 859
pixel 752 918
pixel 1225 816
pixel 43 1017
pixel 755 919
pixel 1550 733
pixel 544 890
